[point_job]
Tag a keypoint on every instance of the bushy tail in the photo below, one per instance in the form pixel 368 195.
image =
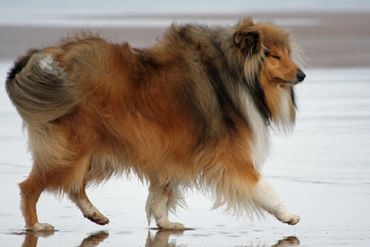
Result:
pixel 39 88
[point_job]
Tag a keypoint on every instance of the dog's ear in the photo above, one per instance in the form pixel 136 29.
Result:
pixel 247 41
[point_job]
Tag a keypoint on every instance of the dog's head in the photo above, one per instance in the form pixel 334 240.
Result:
pixel 269 67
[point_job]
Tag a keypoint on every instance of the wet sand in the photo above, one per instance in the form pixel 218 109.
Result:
pixel 328 39
pixel 321 171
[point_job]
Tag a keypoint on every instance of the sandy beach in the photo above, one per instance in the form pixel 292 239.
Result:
pixel 328 39
pixel 321 170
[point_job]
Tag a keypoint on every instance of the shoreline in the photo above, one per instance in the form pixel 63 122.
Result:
pixel 329 40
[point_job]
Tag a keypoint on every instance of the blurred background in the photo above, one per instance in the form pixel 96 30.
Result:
pixel 327 30
pixel 321 171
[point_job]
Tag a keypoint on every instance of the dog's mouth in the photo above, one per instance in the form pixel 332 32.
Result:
pixel 287 82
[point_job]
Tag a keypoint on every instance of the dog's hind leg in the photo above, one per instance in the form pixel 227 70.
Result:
pixel 31 189
pixel 265 197
pixel 160 199
pixel 87 208
pixel 77 193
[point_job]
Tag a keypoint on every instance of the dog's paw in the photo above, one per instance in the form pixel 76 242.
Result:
pixel 98 218
pixel 286 217
pixel 40 227
pixel 171 226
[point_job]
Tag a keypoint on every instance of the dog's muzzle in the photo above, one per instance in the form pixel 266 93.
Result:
pixel 300 75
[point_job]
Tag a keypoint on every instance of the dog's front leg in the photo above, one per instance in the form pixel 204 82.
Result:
pixel 157 206
pixel 266 198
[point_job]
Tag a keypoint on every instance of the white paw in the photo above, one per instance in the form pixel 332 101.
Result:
pixel 286 217
pixel 171 226
pixel 40 227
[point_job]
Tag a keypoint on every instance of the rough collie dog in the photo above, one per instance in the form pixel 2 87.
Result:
pixel 193 110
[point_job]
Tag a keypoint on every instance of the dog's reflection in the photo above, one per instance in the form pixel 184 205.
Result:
pixel 30 238
pixel 288 241
pixel 92 240
pixel 160 239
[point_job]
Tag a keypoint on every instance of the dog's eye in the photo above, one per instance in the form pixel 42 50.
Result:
pixel 275 57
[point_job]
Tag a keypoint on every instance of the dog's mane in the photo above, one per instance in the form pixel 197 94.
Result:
pixel 224 66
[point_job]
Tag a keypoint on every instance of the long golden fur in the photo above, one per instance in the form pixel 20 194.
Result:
pixel 193 110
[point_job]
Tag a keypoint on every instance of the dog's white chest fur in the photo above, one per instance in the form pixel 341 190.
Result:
pixel 260 143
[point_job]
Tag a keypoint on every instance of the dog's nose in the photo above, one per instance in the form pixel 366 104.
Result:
pixel 300 75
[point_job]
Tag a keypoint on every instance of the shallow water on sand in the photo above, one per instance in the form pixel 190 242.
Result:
pixel 160 12
pixel 321 171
